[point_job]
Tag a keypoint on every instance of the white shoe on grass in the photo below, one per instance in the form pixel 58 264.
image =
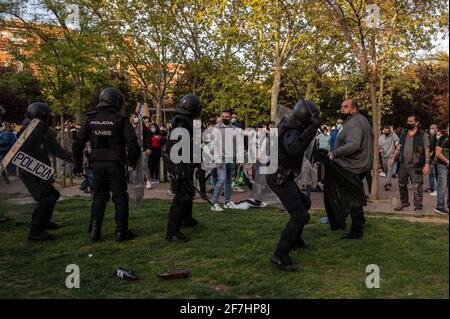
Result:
pixel 229 205
pixel 216 208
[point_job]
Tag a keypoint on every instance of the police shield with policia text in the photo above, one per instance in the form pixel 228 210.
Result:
pixel 113 143
pixel 35 167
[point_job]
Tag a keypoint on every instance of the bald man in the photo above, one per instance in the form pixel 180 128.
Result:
pixel 353 152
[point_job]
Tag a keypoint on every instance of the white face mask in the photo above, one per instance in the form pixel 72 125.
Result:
pixel 136 120
pixel 339 126
pixel 153 130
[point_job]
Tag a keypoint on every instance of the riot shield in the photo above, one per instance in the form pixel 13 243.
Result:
pixel 136 185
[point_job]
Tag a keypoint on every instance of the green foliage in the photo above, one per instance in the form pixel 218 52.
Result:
pixel 227 255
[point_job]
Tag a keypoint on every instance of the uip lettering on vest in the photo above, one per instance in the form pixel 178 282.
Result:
pixel 32 165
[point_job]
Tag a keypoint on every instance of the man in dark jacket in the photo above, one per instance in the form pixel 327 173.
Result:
pixel 294 136
pixel 39 145
pixel 113 142
pixel 353 152
pixel 414 161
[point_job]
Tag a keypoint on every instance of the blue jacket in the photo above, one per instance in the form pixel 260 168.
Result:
pixel 334 133
pixel 7 140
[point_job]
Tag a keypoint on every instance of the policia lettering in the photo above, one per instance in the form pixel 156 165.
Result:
pixel 113 142
pixel 32 165
pixel 294 136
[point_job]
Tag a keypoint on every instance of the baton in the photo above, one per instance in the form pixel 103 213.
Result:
pixel 201 194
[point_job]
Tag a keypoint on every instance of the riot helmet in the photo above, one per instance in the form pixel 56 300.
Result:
pixel 41 111
pixel 304 110
pixel 190 104
pixel 111 97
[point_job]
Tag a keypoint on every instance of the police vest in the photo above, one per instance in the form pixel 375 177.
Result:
pixel 106 136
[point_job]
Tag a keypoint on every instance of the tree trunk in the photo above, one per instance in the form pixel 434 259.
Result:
pixel 275 92
pixel 376 135
pixel 309 87
pixel 380 100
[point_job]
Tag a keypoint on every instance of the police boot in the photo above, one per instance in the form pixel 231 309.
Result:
pixel 52 225
pixel 43 236
pixel 95 230
pixel 281 259
pixel 124 234
pixel 191 222
pixel 177 238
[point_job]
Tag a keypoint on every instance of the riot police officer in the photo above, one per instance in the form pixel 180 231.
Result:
pixel 294 136
pixel 181 174
pixel 112 140
pixel 42 191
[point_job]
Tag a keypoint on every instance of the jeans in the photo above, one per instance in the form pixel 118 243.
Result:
pixel 145 165
pixel 387 170
pixel 442 180
pixel 432 177
pixel 224 176
pixel 88 179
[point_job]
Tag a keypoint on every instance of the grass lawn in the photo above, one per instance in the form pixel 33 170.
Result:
pixel 228 257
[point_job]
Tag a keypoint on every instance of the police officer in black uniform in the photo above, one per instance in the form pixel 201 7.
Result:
pixel 43 142
pixel 181 174
pixel 113 140
pixel 294 136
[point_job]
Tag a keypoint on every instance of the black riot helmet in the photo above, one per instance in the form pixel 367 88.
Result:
pixel 111 97
pixel 190 104
pixel 40 110
pixel 304 110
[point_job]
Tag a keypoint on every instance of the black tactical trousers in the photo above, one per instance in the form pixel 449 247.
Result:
pixel 297 205
pixel 110 177
pixel 42 213
pixel 181 208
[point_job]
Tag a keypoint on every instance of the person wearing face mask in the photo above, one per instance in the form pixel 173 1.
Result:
pixel 353 153
pixel 432 176
pixel 334 133
pixel 414 160
pixel 235 122
pixel 387 143
pixel 155 156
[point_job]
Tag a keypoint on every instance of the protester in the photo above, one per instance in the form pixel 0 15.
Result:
pixel 146 147
pixel 387 143
pixel 156 151
pixel 7 140
pixel 414 160
pixel 442 153
pixel 433 169
pixel 323 139
pixel 353 153
pixel 227 163
pixel 334 133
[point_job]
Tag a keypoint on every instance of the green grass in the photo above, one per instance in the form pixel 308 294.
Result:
pixel 228 257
